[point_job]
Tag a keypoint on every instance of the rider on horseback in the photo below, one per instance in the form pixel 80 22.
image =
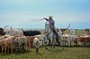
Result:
pixel 52 26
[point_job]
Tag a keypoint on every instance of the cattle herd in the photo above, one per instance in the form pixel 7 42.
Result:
pixel 17 40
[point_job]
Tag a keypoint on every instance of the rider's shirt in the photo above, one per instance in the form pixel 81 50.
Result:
pixel 51 22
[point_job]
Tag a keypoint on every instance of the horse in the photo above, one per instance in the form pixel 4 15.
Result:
pixel 50 37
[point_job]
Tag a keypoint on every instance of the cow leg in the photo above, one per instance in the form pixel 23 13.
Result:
pixel 23 47
pixel 37 50
pixel 26 47
pixel 19 47
pixel 5 49
pixel 8 49
pixel 2 49
pixel 11 49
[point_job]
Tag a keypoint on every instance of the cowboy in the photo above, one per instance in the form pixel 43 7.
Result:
pixel 52 26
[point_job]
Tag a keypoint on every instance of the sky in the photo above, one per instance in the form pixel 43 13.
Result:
pixel 27 13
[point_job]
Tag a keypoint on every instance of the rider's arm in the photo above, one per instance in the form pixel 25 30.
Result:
pixel 45 19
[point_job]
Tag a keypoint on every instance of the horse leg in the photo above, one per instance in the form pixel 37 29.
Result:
pixel 47 41
pixel 53 43
pixel 46 47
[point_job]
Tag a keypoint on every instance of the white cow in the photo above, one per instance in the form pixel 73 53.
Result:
pixel 13 31
pixel 41 39
pixel 36 42
pixel 20 43
pixel 69 38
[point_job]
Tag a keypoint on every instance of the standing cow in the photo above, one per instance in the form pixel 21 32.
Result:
pixel 12 31
pixel 20 43
pixel 6 43
pixel 36 44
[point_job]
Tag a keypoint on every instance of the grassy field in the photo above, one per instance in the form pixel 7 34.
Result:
pixel 58 53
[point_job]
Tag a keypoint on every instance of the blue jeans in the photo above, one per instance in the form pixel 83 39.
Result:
pixel 57 36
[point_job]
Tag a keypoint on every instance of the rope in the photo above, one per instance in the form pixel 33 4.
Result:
pixel 35 20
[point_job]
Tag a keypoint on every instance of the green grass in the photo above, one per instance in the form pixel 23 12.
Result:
pixel 58 53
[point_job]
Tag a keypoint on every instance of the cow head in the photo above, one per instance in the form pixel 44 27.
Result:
pixel 64 29
pixel 88 31
pixel 2 31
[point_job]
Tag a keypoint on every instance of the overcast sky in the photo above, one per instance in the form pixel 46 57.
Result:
pixel 20 13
